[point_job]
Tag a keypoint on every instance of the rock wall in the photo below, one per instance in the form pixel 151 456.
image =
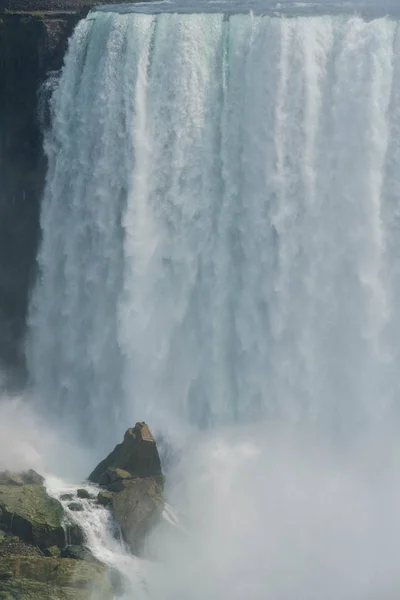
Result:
pixel 33 39
pixel 42 5
pixel 30 46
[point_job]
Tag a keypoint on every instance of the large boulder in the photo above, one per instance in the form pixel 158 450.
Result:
pixel 26 510
pixel 137 509
pixel 137 456
pixel 134 485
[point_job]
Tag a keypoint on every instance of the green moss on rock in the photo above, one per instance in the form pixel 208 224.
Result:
pixel 30 513
pixel 51 578
pixel 104 498
pixel 53 552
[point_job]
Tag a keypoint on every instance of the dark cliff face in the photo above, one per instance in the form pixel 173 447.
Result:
pixel 31 45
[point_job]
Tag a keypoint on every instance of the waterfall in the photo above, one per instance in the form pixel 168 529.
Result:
pixel 220 256
pixel 220 223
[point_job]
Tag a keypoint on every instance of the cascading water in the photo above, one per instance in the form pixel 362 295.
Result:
pixel 220 247
pixel 102 537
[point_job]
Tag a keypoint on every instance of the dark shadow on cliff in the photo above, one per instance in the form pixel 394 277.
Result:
pixel 30 46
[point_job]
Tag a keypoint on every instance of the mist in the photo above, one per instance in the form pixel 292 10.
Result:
pixel 264 512
pixel 269 514
pixel 28 440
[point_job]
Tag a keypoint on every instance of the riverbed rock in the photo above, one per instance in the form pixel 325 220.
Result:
pixel 75 507
pixel 84 494
pixel 137 455
pixel 66 497
pixel 30 513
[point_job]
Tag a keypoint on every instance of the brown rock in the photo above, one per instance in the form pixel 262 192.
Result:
pixel 137 455
pixel 137 508
pixel 134 481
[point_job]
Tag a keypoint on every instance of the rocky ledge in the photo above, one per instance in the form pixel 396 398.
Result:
pixel 42 550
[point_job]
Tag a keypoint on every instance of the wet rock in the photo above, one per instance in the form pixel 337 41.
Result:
pixel 104 498
pixel 77 552
pixel 137 455
pixel 73 534
pixel 30 513
pixel 75 507
pixel 66 497
pixel 53 552
pixel 137 509
pixel 84 494
pixel 115 479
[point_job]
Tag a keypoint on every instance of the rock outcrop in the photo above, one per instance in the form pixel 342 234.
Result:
pixel 26 510
pixel 136 456
pixel 35 561
pixel 134 483
pixel 43 557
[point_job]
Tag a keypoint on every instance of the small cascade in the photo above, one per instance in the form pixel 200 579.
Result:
pixel 171 516
pixel 102 536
